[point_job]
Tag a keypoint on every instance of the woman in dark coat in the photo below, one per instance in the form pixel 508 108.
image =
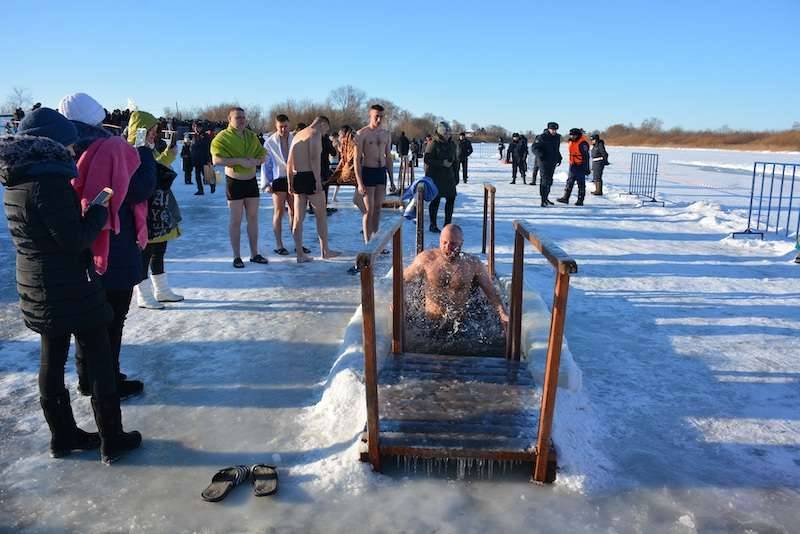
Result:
pixel 58 288
pixel 599 162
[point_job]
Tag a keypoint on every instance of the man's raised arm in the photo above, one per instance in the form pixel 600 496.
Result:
pixel 415 270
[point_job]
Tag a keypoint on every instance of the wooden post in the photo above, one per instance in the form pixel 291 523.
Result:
pixel 420 218
pixel 515 319
pixel 551 374
pixel 491 233
pixel 485 217
pixel 370 361
pixel 516 297
pixel 398 300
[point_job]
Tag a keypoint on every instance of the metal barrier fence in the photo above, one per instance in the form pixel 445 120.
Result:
pixel 777 194
pixel 644 176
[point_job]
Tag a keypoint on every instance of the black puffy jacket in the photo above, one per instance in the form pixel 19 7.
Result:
pixel 56 282
pixel 548 148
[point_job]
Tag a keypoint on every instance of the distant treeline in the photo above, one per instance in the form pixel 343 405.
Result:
pixel 344 106
pixel 651 133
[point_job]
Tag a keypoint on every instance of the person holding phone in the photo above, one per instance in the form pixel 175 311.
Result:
pixel 60 292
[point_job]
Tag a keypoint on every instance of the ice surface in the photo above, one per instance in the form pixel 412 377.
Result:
pixel 678 413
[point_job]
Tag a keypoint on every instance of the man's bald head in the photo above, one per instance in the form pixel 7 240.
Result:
pixel 451 240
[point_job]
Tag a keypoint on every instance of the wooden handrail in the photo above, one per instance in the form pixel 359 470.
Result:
pixel 564 266
pixel 377 243
pixel 488 213
pixel 420 217
pixel 552 252
pixel 365 262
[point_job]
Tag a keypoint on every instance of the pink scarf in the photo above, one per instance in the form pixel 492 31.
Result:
pixel 110 163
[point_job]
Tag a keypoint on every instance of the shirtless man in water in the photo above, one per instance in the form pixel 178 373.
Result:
pixel 304 177
pixel 372 163
pixel 449 276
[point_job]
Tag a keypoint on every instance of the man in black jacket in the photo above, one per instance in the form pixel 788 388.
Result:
pixel 518 152
pixel 547 151
pixel 201 156
pixel 599 162
pixel 464 152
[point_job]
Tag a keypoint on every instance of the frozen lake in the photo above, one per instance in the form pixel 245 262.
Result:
pixel 687 419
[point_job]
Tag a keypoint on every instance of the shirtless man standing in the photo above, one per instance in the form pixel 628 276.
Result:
pixel 372 163
pixel 303 171
pixel 238 149
pixel 449 276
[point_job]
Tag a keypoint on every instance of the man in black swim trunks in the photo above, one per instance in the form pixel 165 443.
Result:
pixel 372 164
pixel 273 178
pixel 238 149
pixel 305 183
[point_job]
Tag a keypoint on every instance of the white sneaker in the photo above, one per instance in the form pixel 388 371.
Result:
pixel 162 291
pixel 145 298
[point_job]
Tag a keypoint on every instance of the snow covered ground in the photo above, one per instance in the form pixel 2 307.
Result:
pixel 686 418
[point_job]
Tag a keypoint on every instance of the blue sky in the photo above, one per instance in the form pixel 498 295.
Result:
pixel 695 64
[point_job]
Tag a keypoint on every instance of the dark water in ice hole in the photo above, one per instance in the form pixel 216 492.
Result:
pixel 476 332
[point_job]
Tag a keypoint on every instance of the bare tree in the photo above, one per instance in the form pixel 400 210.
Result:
pixel 347 99
pixel 20 97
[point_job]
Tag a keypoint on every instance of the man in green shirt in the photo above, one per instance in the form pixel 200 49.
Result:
pixel 238 149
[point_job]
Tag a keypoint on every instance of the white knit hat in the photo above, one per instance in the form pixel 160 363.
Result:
pixel 82 108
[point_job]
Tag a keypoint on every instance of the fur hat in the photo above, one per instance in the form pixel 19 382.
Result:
pixel 82 108
pixel 552 126
pixel 46 122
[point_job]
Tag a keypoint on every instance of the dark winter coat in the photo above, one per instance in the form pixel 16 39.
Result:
pixel 57 286
pixel 519 150
pixel 125 268
pixel 438 152
pixel 464 149
pixel 548 149
pixel 599 151
pixel 403 145
pixel 87 135
pixel 201 150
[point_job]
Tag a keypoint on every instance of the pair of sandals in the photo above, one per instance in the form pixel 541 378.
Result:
pixel 263 476
pixel 258 258
pixel 283 252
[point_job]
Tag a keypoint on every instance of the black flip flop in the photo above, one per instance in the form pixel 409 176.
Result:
pixel 258 258
pixel 281 251
pixel 265 479
pixel 224 481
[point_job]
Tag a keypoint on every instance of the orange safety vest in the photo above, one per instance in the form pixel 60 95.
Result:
pixel 575 156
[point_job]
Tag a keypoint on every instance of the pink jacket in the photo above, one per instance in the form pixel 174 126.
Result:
pixel 109 162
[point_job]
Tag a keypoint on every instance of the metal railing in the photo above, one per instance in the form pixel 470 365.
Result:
pixel 564 266
pixel 780 200
pixel 643 177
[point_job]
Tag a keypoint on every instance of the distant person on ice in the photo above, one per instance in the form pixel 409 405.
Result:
pixel 440 156
pixel 237 148
pixel 548 152
pixel 449 275
pixel 464 152
pixel 501 147
pixel 578 166
pixel 599 162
